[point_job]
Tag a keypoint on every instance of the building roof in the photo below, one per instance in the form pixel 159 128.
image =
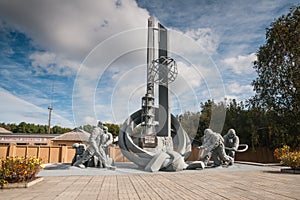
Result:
pixel 74 135
pixel 3 130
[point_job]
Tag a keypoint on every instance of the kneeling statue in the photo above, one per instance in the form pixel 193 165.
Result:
pixel 231 142
pixel 213 144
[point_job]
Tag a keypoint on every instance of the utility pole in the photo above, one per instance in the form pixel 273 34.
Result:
pixel 50 108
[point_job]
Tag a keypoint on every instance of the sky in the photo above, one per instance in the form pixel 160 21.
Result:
pixel 88 58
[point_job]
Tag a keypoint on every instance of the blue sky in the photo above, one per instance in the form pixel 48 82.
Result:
pixel 94 54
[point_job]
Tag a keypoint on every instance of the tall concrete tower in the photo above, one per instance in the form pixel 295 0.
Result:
pixel 157 126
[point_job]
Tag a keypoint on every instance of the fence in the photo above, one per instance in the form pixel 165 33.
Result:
pixel 64 154
pixel 259 154
pixel 52 154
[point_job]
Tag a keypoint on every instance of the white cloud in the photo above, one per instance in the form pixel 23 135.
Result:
pixel 50 63
pixel 109 63
pixel 90 120
pixel 241 64
pixel 4 72
pixel 72 28
pixel 235 90
pixel 124 96
pixel 70 31
pixel 206 38
pixel 191 74
pixel 16 110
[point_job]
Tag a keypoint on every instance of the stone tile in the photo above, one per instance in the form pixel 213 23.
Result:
pixel 258 183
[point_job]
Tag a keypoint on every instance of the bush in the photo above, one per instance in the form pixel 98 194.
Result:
pixel 287 157
pixel 16 170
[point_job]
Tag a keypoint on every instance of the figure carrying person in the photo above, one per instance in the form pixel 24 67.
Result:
pixel 94 150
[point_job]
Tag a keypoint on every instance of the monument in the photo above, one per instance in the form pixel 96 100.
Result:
pixel 152 138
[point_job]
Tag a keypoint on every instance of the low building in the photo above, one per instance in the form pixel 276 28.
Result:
pixel 26 139
pixel 69 138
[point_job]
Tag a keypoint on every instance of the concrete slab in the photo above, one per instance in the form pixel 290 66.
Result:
pixel 127 168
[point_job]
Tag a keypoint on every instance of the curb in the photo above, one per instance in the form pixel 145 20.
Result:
pixel 22 185
pixel 290 171
pixel 258 164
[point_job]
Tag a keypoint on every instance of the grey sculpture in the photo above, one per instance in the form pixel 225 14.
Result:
pixel 155 147
pixel 145 137
pixel 106 139
pixel 231 142
pixel 213 145
pixel 79 150
pixel 98 141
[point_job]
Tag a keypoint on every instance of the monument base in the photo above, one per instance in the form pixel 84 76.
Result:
pixel 148 141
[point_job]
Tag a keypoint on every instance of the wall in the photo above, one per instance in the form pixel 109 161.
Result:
pixel 51 154
pixel 259 154
pixel 48 154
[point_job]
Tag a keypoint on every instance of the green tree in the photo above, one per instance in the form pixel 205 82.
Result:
pixel 88 128
pixel 212 116
pixel 277 86
pixel 113 129
pixel 42 129
pixel 24 127
pixel 206 110
pixel 190 122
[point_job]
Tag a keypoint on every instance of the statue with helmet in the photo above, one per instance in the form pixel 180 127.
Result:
pixel 97 151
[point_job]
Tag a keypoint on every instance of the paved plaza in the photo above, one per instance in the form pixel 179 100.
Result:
pixel 128 182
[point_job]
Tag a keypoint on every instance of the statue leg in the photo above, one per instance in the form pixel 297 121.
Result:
pixel 231 154
pixel 85 157
pixel 215 157
pixel 223 156
pixel 207 158
pixel 103 158
pixel 74 160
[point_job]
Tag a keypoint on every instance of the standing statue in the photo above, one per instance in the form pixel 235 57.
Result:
pixel 213 144
pixel 95 150
pixel 106 139
pixel 231 142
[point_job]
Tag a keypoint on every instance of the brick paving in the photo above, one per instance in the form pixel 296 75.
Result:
pixel 250 184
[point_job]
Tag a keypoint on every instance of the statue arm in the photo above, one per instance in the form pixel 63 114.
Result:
pixel 236 143
pixel 109 140
pixel 208 145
